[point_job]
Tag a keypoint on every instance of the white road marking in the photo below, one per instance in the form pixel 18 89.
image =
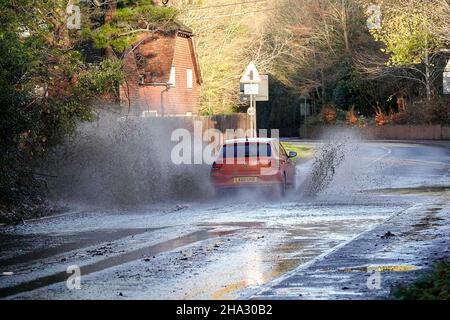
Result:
pixel 425 162
pixel 389 151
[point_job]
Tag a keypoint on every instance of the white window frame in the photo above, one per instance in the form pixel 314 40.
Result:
pixel 172 78
pixel 189 78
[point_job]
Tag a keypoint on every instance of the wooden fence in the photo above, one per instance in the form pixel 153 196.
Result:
pixel 388 132
pixel 238 123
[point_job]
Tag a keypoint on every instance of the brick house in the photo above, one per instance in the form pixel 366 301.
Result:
pixel 162 75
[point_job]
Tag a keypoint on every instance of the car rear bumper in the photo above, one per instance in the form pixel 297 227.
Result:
pixel 226 182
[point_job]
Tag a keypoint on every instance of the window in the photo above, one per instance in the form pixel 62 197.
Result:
pixel 247 150
pixel 189 78
pixel 172 80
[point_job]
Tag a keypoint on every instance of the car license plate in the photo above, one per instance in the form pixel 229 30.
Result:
pixel 245 179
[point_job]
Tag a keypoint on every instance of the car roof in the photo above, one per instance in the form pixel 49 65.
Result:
pixel 251 140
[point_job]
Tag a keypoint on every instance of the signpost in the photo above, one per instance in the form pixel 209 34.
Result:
pixel 446 78
pixel 251 111
pixel 251 87
pixel 263 90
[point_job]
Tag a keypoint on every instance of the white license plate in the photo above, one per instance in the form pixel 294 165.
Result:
pixel 245 179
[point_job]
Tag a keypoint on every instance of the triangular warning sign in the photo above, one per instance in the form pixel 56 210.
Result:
pixel 251 74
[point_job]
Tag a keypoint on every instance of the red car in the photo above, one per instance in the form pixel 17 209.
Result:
pixel 252 163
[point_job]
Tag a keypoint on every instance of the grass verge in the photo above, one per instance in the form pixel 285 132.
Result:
pixel 303 151
pixel 434 285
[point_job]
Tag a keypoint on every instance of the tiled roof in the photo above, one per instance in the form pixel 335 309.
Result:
pixel 154 56
pixel 154 53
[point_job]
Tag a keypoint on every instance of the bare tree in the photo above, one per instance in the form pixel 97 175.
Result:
pixel 227 36
pixel 430 28
pixel 443 11
pixel 316 35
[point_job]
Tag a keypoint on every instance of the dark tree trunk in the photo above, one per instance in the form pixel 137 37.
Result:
pixel 110 9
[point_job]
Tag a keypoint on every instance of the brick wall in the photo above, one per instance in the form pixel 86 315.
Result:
pixel 388 132
pixel 179 99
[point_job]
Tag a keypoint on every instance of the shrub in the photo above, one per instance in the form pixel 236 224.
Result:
pixel 431 286
pixel 314 120
pixel 380 118
pixel 328 114
pixel 350 117
pixel 423 112
pixel 438 113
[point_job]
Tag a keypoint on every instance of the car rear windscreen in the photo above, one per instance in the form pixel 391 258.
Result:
pixel 239 150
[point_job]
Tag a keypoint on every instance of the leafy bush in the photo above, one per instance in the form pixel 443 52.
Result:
pixel 350 117
pixel 341 116
pixel 438 113
pixel 131 15
pixel 432 286
pixel 45 89
pixel 380 117
pixel 329 114
pixel 423 112
pixel 314 121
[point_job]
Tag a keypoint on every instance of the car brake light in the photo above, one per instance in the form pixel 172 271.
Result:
pixel 266 164
pixel 217 166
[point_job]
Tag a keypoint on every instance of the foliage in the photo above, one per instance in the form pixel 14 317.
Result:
pixel 351 118
pixel 423 112
pixel 128 17
pixel 314 120
pixel 407 29
pixel 46 88
pixel 220 46
pixel 410 36
pixel 334 58
pixel 380 117
pixel 321 49
pixel 438 112
pixel 432 286
pixel 99 78
pixel 329 114
pixel 282 102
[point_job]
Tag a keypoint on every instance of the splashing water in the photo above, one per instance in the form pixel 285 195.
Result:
pixel 326 161
pixel 332 166
pixel 113 162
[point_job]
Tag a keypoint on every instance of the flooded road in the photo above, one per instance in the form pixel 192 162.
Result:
pixel 224 248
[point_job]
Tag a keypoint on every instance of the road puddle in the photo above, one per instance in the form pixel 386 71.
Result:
pixel 242 224
pixel 115 261
pixel 225 293
pixel 398 268
pixel 301 244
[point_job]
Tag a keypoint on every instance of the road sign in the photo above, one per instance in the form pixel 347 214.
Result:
pixel 251 74
pixel 263 90
pixel 446 77
pixel 251 88
pixel 250 80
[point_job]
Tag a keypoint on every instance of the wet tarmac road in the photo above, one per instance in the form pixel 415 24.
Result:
pixel 215 249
